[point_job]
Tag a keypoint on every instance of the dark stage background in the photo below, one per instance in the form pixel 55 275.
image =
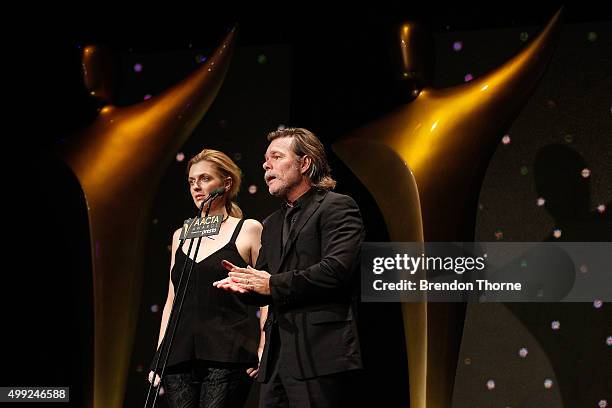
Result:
pixel 331 77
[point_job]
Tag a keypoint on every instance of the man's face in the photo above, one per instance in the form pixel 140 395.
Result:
pixel 282 167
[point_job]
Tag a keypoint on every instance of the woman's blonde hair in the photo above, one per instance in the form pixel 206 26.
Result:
pixel 226 168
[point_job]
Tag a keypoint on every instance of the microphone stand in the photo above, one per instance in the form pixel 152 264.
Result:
pixel 166 346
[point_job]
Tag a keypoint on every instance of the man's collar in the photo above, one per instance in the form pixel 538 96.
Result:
pixel 301 200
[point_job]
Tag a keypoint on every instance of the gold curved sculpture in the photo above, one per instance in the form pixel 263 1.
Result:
pixel 119 161
pixel 443 141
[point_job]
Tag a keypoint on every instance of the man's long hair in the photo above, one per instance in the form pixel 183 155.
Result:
pixel 305 143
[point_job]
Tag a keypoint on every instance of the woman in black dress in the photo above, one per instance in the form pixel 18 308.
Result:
pixel 218 342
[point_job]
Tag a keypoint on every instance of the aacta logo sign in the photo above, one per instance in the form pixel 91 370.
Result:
pixel 201 227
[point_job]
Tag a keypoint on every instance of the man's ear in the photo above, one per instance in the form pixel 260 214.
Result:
pixel 306 163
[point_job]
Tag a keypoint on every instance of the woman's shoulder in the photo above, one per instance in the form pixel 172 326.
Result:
pixel 251 224
pixel 176 235
pixel 251 228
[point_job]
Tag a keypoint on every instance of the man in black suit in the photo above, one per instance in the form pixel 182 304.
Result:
pixel 307 272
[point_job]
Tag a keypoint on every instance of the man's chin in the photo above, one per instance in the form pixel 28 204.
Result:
pixel 276 192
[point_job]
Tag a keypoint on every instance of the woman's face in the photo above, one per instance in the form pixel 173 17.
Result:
pixel 203 179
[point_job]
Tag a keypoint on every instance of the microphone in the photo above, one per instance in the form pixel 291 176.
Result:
pixel 213 194
pixel 217 192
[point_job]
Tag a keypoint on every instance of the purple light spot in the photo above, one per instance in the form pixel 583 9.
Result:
pixel 468 77
pixel 137 67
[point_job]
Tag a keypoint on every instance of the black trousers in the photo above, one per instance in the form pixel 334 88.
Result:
pixel 198 384
pixel 284 391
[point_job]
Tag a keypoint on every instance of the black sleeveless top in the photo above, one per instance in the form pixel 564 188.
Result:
pixel 214 325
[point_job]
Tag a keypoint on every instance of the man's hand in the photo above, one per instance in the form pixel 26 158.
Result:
pixel 230 286
pixel 242 280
